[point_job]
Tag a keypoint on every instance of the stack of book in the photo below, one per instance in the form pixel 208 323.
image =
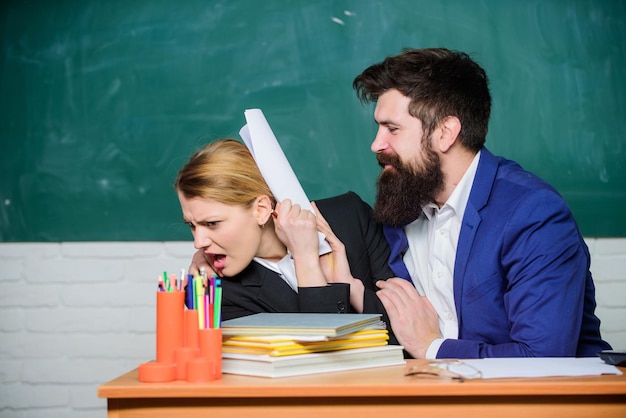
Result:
pixel 290 344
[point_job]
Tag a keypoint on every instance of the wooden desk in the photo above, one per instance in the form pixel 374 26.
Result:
pixel 376 393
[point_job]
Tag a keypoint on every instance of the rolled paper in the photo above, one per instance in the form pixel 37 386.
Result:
pixel 274 166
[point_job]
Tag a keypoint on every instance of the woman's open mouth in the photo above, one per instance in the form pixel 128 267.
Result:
pixel 219 261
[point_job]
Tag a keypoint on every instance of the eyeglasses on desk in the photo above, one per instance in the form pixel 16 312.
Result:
pixel 450 369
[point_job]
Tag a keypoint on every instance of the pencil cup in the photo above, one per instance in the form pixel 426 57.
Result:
pixel 169 326
pixel 201 369
pixel 183 356
pixel 190 338
pixel 154 372
pixel 210 342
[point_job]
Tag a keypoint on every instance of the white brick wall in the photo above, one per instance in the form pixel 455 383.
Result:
pixel 608 265
pixel 75 315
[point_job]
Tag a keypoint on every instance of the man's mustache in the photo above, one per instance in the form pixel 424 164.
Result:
pixel 386 159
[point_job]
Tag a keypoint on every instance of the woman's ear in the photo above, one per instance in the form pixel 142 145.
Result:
pixel 262 209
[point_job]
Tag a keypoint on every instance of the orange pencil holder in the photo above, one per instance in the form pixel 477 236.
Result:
pixel 169 339
pixel 183 356
pixel 208 366
pixel 190 338
pixel 189 351
pixel 154 372
pixel 183 350
pixel 169 326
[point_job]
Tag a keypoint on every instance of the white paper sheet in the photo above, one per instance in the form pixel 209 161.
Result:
pixel 493 368
pixel 269 156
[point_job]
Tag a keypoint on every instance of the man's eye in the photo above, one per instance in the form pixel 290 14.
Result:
pixel 190 225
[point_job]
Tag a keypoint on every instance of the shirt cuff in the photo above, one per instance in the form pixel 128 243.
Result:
pixel 433 348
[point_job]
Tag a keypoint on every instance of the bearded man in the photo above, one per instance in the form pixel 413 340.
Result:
pixel 489 258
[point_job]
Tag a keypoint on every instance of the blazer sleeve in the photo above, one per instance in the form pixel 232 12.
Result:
pixel 366 247
pixel 376 246
pixel 333 298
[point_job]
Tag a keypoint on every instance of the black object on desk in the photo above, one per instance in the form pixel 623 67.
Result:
pixel 614 357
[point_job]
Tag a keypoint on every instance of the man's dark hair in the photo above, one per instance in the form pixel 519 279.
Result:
pixel 440 83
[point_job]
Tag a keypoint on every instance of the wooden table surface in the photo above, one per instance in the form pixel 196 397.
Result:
pixel 368 393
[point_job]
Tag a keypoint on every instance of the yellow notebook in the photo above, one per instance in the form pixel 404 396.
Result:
pixel 276 345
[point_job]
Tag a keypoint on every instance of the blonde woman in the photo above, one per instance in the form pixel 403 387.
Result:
pixel 266 251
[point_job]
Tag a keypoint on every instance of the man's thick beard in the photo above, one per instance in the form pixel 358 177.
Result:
pixel 403 190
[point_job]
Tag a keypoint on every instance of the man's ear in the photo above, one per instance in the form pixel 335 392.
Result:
pixel 449 128
pixel 262 209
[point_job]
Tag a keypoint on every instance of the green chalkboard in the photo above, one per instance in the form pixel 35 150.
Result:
pixel 102 101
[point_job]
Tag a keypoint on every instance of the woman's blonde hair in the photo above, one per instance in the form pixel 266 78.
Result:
pixel 223 171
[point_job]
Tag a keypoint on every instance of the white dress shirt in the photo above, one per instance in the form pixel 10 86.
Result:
pixel 433 241
pixel 285 268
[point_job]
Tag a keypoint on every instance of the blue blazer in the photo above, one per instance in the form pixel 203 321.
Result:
pixel 522 285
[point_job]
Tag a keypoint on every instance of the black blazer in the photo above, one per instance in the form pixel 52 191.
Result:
pixel 258 289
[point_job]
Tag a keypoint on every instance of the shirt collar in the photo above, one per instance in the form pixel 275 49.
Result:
pixel 460 195
pixel 284 268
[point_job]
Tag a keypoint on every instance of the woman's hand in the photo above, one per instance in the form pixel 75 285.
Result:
pixel 335 264
pixel 199 261
pixel 297 229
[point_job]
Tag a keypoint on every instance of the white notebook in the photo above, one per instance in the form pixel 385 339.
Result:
pixel 300 364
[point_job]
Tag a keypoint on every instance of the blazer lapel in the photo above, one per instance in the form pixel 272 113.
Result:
pixel 481 189
pixel 270 287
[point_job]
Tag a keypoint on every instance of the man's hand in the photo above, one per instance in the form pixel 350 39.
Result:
pixel 413 319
